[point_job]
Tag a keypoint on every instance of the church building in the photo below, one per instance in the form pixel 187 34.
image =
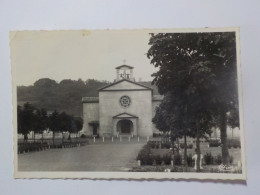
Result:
pixel 125 107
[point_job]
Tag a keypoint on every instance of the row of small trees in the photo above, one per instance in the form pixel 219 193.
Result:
pixel 198 76
pixel 37 120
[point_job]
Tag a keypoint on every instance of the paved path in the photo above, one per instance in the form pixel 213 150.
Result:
pixel 108 156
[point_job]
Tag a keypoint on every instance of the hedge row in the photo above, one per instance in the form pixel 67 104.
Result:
pixel 214 160
pixel 37 146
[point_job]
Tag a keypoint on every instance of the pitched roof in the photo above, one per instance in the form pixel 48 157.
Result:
pixel 124 115
pixel 118 67
pixel 102 88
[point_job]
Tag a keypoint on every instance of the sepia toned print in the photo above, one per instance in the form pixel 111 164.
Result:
pixel 128 104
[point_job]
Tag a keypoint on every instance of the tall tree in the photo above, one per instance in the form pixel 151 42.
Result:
pixel 54 124
pixel 202 68
pixel 78 124
pixel 65 123
pixel 26 119
pixel 21 127
pixel 42 121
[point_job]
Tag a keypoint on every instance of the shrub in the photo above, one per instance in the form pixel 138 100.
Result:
pixel 177 159
pixel 214 143
pixel 231 158
pixel 144 155
pixel 189 160
pixel 190 146
pixel 153 144
pixel 167 159
pixel 83 136
pixel 208 158
pixel 30 147
pixel 157 159
pixel 177 169
pixel 166 145
pixel 233 143
pixel 157 134
pixel 218 159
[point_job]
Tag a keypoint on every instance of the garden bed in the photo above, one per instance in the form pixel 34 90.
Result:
pixel 38 146
pixel 155 158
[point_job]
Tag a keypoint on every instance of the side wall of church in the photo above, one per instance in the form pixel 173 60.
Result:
pixel 154 105
pixel 90 113
pixel 141 106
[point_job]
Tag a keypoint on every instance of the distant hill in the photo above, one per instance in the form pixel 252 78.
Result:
pixel 64 96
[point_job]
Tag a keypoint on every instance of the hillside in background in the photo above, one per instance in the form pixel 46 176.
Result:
pixel 64 96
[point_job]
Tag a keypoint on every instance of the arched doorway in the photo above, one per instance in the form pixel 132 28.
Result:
pixel 125 126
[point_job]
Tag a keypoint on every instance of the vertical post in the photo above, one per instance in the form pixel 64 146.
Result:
pixel 103 139
pixel 112 139
pixel 120 138
pixel 94 139
pixel 138 138
pixel 201 158
pixel 129 138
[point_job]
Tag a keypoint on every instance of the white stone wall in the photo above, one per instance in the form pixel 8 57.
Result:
pixel 141 106
pixel 90 113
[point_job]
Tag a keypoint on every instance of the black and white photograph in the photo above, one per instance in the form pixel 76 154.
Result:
pixel 132 104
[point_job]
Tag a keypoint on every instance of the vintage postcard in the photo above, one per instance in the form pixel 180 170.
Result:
pixel 128 104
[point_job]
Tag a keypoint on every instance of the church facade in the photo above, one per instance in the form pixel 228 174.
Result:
pixel 124 107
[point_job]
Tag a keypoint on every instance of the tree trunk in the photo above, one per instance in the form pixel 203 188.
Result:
pixel 223 135
pixel 53 137
pixel 34 136
pixel 42 137
pixel 25 137
pixel 69 138
pixel 178 146
pixel 185 152
pixel 198 148
pixel 172 140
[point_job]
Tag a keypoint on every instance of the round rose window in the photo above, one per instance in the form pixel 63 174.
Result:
pixel 125 101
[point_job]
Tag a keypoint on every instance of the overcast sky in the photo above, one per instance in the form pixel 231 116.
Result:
pixel 78 54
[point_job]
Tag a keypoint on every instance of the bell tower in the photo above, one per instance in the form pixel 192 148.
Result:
pixel 124 72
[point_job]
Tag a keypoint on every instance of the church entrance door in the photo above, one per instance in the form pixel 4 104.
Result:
pixel 95 130
pixel 125 126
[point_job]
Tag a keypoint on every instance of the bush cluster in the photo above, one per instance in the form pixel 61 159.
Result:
pixel 156 145
pixel 189 146
pixel 36 146
pixel 214 143
pixel 189 160
pixel 233 143
pixel 157 134
pixel 147 158
pixel 214 160
pixel 30 147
